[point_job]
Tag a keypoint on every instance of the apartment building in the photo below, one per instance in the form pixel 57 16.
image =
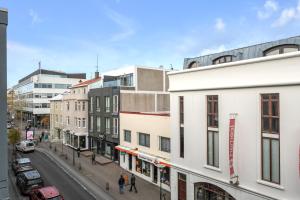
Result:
pixel 134 89
pixel 75 113
pixel 33 92
pixel 234 129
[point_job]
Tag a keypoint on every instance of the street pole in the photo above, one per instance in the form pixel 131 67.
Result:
pixel 73 150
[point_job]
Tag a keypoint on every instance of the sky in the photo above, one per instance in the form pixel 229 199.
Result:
pixel 68 35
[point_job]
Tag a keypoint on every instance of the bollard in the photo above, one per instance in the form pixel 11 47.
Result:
pixel 107 186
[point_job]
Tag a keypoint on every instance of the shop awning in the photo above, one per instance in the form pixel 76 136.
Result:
pixel 126 150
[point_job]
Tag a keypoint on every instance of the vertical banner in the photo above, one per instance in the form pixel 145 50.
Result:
pixel 231 145
pixel 29 135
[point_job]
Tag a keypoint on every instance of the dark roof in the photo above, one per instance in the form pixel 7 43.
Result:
pixel 52 72
pixel 244 53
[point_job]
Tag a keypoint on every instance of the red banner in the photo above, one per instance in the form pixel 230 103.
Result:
pixel 231 144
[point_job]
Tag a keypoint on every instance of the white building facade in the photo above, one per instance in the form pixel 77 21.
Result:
pixel 262 95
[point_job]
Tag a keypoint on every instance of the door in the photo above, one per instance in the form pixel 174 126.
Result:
pixel 181 186
pixel 130 162
pixel 154 174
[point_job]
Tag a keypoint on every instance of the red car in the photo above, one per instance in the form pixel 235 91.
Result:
pixel 45 193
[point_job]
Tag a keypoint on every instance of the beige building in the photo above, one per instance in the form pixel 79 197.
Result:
pixel 145 146
pixel 75 113
pixel 56 117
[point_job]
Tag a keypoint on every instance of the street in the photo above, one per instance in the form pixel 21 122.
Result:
pixel 54 175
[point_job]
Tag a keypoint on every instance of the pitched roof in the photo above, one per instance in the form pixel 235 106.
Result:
pixel 85 83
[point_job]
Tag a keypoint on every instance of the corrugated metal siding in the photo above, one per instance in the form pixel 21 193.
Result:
pixel 243 53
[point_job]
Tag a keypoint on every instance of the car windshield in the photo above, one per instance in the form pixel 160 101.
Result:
pixel 24 164
pixel 55 198
pixel 34 181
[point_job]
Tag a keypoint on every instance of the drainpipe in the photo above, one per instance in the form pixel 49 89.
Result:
pixel 3 106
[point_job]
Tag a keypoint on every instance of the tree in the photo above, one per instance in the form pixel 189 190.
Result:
pixel 14 136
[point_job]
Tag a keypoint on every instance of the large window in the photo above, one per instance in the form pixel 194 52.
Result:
pixel 83 106
pixel 107 104
pixel 98 104
pixel 107 125
pixel 164 144
pixel 115 103
pixel 144 139
pixel 98 124
pixel 286 48
pixel 91 123
pixel 181 127
pixel 146 168
pixel 212 131
pixel 116 126
pixel 83 122
pixel 91 104
pixel 270 137
pixel 127 135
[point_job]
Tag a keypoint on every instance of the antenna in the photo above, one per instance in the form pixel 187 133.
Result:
pixel 171 66
pixel 97 67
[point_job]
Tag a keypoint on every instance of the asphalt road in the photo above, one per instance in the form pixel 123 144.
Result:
pixel 54 175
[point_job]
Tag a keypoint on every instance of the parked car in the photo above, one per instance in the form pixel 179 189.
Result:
pixel 24 168
pixel 28 181
pixel 25 146
pixel 45 193
pixel 20 162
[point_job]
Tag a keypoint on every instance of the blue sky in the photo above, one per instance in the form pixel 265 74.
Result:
pixel 67 35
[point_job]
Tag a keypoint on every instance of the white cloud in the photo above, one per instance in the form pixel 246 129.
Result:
pixel 220 25
pixel 270 7
pixel 213 50
pixel 287 15
pixel 35 18
pixel 125 24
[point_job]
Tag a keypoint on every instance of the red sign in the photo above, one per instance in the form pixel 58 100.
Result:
pixel 231 144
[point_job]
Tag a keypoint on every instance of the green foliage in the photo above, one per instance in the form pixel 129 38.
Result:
pixel 14 136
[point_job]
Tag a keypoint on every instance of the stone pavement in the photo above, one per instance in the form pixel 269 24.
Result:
pixel 104 175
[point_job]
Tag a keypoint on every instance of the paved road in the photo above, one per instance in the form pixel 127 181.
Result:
pixel 53 175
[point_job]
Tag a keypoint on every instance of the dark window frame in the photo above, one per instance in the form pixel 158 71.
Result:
pixel 127 135
pixel 144 139
pixel 223 59
pixel 280 48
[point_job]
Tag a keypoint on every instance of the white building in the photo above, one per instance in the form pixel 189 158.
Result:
pixel 262 94
pixel 33 92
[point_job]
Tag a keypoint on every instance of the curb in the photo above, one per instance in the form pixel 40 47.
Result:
pixel 76 177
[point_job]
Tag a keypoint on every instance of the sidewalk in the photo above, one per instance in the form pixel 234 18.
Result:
pixel 100 175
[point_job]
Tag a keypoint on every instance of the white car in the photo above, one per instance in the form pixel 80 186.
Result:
pixel 25 146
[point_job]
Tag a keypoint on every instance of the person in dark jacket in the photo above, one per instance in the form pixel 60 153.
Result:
pixel 93 158
pixel 132 183
pixel 121 184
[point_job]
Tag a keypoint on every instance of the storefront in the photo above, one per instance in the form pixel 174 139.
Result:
pixel 104 148
pixel 151 168
pixel 207 191
pixel 75 140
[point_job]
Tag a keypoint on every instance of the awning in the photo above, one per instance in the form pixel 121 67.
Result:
pixel 126 150
pixel 81 134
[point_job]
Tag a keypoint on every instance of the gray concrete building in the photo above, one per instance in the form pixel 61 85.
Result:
pixel 3 106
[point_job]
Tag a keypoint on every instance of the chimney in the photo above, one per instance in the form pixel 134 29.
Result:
pixel 97 74
pixel 80 81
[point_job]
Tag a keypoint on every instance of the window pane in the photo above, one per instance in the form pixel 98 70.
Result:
pixel 266 159
pixel 273 52
pixel 274 108
pixel 216 149
pixel 275 125
pixel 275 161
pixel 289 49
pixel 210 148
pixel 265 125
pixel 265 108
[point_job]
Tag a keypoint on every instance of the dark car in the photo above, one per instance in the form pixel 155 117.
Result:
pixel 20 162
pixel 27 181
pixel 24 168
pixel 45 193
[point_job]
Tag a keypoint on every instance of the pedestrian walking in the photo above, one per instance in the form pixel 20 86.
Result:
pixel 93 158
pixel 121 184
pixel 132 183
pixel 40 138
pixel 78 152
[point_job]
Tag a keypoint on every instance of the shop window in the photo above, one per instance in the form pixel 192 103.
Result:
pixel 206 191
pixel 165 175
pixel 146 168
pixel 138 165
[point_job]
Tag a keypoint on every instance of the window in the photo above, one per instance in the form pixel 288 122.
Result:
pixel 91 104
pixel 270 137
pixel 181 110
pixel 107 104
pixel 127 135
pixel 79 105
pixel 116 126
pixel 144 139
pixel 83 122
pixel 83 106
pixel 68 120
pixel 165 175
pixel 223 59
pixel 192 65
pixel 79 122
pixel 280 49
pixel 115 103
pixel 98 124
pixel 212 131
pixel 146 168
pixel 181 180
pixel 91 123
pixel 164 144
pixel 138 165
pixel 75 119
pixel 107 125
pixel 181 142
pixel 75 105
pixel 68 105
pixel 98 104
